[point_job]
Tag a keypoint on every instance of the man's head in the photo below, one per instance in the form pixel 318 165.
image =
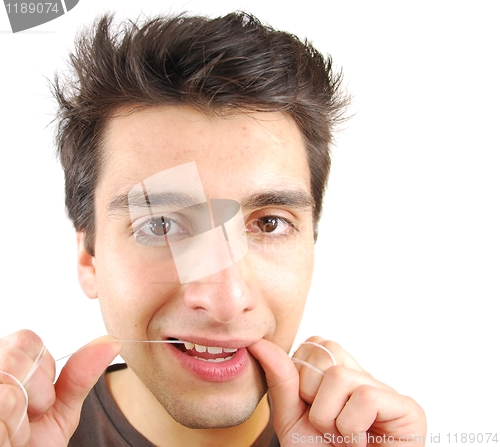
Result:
pixel 226 65
pixel 253 108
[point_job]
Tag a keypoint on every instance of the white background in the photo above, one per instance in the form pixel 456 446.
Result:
pixel 408 257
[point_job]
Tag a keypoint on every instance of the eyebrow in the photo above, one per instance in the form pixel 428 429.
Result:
pixel 290 198
pixel 123 202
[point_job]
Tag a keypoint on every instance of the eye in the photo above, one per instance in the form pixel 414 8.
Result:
pixel 159 226
pixel 270 225
pixel 154 231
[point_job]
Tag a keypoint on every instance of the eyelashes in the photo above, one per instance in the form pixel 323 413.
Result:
pixel 159 230
pixel 271 226
pixel 162 229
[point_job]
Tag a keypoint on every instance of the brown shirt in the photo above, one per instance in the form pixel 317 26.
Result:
pixel 102 424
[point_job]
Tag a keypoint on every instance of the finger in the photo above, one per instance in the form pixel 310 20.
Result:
pixel 337 387
pixel 39 387
pixel 20 350
pixel 315 355
pixel 4 435
pixel 78 376
pixel 22 434
pixel 314 359
pixel 25 340
pixel 283 381
pixel 382 411
pixel 335 390
pixel 306 349
pixel 43 361
pixel 13 412
pixel 320 358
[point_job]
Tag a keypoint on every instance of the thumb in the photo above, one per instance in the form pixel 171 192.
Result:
pixel 78 376
pixel 283 381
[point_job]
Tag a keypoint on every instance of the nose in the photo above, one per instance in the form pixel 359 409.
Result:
pixel 225 295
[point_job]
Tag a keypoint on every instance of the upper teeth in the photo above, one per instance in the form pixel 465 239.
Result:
pixel 210 349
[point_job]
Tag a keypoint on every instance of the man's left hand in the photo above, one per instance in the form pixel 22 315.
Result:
pixel 345 406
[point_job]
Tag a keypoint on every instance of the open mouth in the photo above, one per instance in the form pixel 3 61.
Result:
pixel 215 354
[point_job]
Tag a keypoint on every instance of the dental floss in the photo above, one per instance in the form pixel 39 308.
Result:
pixel 130 341
pixel 35 365
pixel 25 394
pixel 42 353
pixel 152 341
pixel 38 362
pixel 309 365
pixel 20 385
pixel 324 348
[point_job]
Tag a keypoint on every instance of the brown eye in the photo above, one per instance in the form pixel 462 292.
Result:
pixel 159 226
pixel 268 224
pixel 271 226
pixel 265 224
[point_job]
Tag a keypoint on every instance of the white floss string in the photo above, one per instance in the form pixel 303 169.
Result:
pixel 35 366
pixel 152 341
pixel 309 365
pixel 129 341
pixel 9 379
pixel 20 385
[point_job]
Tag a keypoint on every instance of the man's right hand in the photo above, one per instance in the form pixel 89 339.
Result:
pixel 53 409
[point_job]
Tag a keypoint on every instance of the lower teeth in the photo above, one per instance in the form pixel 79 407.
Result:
pixel 217 360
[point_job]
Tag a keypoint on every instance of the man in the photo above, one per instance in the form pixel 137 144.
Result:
pixel 196 155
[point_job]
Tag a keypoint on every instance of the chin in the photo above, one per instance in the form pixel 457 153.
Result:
pixel 212 410
pixel 211 419
pixel 209 405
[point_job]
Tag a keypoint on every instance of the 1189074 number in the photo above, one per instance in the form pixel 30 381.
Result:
pixel 472 438
pixel 31 8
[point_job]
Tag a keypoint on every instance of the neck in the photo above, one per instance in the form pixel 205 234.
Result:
pixel 156 425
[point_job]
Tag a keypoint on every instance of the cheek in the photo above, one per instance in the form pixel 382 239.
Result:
pixel 285 279
pixel 131 287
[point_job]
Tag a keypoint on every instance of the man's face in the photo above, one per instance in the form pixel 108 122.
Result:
pixel 256 159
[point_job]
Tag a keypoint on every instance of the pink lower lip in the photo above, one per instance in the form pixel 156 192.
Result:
pixel 210 371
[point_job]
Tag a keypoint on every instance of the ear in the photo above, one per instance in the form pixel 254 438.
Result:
pixel 86 267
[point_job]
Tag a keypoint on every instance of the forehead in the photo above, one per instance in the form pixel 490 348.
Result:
pixel 235 154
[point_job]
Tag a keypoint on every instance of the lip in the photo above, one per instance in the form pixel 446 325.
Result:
pixel 209 371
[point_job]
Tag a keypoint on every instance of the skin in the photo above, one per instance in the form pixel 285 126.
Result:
pixel 141 297
pixel 258 301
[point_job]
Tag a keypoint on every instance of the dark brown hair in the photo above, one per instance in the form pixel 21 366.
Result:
pixel 228 64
